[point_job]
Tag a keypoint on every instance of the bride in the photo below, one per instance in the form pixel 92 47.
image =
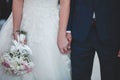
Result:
pixel 40 19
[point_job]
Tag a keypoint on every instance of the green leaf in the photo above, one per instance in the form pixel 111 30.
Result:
pixel 23 32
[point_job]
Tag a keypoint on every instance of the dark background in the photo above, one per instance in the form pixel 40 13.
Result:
pixel 5 8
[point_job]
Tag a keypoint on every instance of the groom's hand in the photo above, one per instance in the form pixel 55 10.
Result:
pixel 69 38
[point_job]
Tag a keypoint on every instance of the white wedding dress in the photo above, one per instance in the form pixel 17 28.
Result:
pixel 40 21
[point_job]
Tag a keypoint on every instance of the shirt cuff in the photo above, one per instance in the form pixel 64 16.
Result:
pixel 68 31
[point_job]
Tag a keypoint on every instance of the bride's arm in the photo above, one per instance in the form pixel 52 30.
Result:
pixel 64 15
pixel 17 9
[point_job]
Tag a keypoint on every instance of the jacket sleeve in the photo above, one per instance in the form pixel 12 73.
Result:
pixel 70 16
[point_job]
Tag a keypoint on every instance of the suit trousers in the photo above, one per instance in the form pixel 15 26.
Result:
pixel 82 57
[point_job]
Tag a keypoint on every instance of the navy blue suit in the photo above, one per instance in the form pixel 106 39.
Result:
pixel 86 38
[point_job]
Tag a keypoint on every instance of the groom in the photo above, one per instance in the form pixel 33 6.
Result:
pixel 90 33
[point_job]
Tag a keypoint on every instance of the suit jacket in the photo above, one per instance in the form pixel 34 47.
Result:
pixel 107 14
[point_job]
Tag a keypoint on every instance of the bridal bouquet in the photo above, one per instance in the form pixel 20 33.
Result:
pixel 18 59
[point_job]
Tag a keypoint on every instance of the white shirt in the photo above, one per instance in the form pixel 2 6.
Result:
pixel 93 15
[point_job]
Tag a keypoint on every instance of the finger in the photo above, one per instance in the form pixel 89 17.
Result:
pixel 25 41
pixel 69 45
pixel 69 39
pixel 67 50
pixel 62 50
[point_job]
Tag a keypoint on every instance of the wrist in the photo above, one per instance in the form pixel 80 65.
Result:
pixel 62 32
pixel 16 32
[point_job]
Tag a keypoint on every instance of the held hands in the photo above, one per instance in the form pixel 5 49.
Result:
pixel 64 42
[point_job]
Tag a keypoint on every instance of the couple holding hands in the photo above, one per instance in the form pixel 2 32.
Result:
pixel 78 27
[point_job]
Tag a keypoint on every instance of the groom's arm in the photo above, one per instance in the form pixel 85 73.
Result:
pixel 70 17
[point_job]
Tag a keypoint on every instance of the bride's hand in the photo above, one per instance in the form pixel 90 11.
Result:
pixel 63 43
pixel 15 35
